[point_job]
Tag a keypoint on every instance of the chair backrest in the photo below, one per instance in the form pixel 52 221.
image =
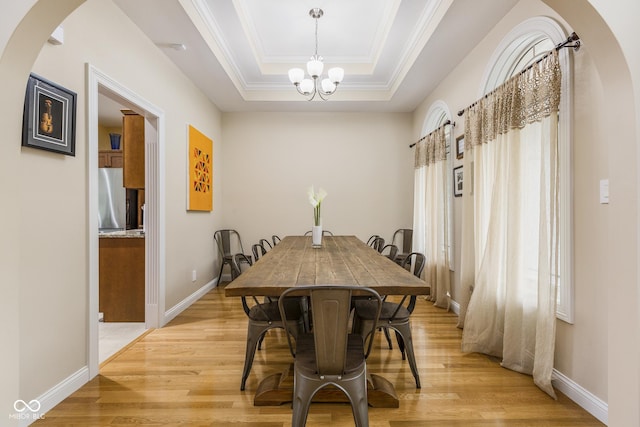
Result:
pixel 229 242
pixel 275 239
pixel 330 311
pixel 403 239
pixel 265 244
pixel 258 250
pixel 371 239
pixel 415 261
pixel 239 264
pixel 377 244
pixel 390 251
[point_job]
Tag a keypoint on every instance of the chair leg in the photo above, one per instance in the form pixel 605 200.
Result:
pixel 400 345
pixel 388 337
pixel 254 333
pixel 302 394
pixel 356 391
pixel 220 272
pixel 260 342
pixel 405 332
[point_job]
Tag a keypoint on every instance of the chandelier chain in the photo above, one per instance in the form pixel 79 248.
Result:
pixel 316 36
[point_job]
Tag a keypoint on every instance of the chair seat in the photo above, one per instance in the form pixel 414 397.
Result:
pixel 306 356
pixel 366 310
pixel 269 311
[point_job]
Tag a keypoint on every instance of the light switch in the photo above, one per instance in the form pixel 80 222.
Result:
pixel 604 191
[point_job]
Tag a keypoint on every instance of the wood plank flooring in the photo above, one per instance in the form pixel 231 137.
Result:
pixel 188 374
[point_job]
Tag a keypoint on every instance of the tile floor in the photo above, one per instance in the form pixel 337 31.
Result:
pixel 116 335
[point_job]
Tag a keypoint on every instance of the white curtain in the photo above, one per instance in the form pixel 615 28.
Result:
pixel 510 236
pixel 430 219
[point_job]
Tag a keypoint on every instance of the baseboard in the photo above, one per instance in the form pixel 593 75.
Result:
pixel 455 307
pixel 570 388
pixel 585 399
pixel 55 395
pixel 170 314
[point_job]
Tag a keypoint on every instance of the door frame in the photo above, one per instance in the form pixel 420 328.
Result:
pixel 100 83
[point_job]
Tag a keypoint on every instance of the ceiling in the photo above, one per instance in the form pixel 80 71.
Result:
pixel 238 52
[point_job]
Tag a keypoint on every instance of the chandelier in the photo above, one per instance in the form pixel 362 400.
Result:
pixel 309 87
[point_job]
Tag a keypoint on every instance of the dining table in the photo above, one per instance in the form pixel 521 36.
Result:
pixel 340 260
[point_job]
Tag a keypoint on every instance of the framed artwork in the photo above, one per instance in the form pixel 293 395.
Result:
pixel 460 147
pixel 457 181
pixel 49 119
pixel 200 170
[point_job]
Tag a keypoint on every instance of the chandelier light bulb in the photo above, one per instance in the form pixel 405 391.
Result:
pixel 315 66
pixel 307 86
pixel 328 86
pixel 296 75
pixel 336 74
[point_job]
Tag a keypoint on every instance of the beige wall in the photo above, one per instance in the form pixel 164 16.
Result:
pixel 44 232
pixel 51 242
pixel 585 350
pixel 363 161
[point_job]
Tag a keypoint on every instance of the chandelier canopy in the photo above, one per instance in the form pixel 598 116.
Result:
pixel 309 87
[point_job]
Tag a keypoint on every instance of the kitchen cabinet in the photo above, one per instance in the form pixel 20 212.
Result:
pixel 110 159
pixel 133 149
pixel 122 269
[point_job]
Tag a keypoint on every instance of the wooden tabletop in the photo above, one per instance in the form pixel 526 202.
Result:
pixel 341 260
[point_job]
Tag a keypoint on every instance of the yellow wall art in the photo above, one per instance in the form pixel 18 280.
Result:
pixel 200 191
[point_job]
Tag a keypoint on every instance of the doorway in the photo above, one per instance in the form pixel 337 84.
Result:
pixel 102 87
pixel 121 280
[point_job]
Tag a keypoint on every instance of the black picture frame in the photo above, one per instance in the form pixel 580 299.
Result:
pixel 460 147
pixel 49 118
pixel 457 181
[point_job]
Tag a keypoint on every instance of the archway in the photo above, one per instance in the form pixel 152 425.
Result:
pixel 620 115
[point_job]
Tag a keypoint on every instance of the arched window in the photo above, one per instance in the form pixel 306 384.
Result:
pixel 437 116
pixel 523 46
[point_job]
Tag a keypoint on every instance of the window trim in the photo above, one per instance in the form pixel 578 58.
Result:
pixel 513 45
pixel 436 116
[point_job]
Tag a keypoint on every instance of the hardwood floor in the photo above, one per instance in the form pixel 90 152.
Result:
pixel 188 374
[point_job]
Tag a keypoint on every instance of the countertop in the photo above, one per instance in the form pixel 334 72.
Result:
pixel 122 234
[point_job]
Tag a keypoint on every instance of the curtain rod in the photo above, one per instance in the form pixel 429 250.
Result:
pixel 573 38
pixel 448 122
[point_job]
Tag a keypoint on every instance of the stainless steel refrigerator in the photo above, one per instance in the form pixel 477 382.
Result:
pixel 112 203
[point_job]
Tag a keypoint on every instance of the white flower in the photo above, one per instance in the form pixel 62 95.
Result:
pixel 316 201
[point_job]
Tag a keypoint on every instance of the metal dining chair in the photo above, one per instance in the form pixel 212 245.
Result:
pixel 377 243
pixel 394 316
pixel 261 248
pixel 403 239
pixel 390 251
pixel 330 354
pixel 229 243
pixel 263 316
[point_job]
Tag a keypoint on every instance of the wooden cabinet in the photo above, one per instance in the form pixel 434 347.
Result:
pixel 133 149
pixel 110 159
pixel 122 279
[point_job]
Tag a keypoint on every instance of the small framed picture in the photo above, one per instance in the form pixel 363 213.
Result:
pixel 457 181
pixel 460 147
pixel 49 119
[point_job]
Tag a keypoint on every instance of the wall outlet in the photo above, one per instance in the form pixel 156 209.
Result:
pixel 193 276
